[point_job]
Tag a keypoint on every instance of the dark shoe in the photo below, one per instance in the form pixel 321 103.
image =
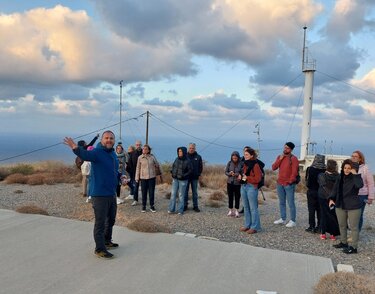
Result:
pixel 196 209
pixel 109 245
pixel 185 208
pixel 349 250
pixel 241 211
pixel 103 254
pixel 340 245
pixel 152 209
pixel 143 209
pixel 310 230
pixel 316 230
pixel 252 231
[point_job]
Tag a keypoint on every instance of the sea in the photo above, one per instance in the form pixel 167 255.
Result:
pixel 25 148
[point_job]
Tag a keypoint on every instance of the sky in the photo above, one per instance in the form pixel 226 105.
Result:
pixel 206 70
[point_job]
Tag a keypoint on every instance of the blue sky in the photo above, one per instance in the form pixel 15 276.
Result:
pixel 202 66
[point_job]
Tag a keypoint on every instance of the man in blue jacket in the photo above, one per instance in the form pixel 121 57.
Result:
pixel 196 161
pixel 104 180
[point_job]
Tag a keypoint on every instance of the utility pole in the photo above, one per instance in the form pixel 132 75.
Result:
pixel 120 108
pixel 147 117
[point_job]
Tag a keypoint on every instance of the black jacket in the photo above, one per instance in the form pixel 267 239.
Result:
pixel 131 166
pixel 326 183
pixel 182 167
pixel 345 191
pixel 196 161
pixel 312 174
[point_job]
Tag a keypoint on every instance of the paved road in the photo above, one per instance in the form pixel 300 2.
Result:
pixel 43 254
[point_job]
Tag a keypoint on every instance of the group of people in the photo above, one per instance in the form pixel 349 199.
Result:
pixel 337 200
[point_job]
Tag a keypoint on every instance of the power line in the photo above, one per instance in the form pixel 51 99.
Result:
pixel 57 144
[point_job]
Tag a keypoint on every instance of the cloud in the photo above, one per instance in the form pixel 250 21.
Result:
pixel 137 91
pixel 65 46
pixel 221 100
pixel 164 103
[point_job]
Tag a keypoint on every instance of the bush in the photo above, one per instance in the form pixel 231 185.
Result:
pixel 343 282
pixel 16 179
pixel 213 177
pixel 147 226
pixel 4 172
pixel 217 196
pixel 22 168
pixel 36 179
pixel 214 203
pixel 32 209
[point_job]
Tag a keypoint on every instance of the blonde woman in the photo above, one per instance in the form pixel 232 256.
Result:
pixel 146 172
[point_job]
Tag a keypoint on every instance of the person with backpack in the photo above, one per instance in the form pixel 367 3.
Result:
pixel 328 218
pixel 287 164
pixel 232 172
pixel 250 177
pixel 317 167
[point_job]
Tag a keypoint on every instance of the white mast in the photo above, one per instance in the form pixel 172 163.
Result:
pixel 308 68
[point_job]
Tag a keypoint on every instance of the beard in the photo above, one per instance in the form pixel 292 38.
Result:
pixel 286 152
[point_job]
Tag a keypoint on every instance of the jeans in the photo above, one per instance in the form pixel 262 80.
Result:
pixel 194 191
pixel 131 186
pixel 148 186
pixel 249 196
pixel 105 209
pixel 363 198
pixel 353 216
pixel 234 192
pixel 178 187
pixel 286 193
pixel 313 207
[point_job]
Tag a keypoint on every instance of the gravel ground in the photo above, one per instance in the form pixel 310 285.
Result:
pixel 64 200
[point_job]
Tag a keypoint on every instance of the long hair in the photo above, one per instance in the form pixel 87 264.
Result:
pixel 361 157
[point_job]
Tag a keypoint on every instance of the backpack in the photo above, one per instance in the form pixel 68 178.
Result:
pixel 261 165
pixel 78 162
pixel 298 177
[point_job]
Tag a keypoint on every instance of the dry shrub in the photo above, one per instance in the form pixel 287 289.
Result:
pixel 22 168
pixel 213 177
pixel 147 226
pixel 35 179
pixel 270 180
pixel 16 179
pixel 166 170
pixel 217 196
pixel 344 282
pixel 32 209
pixel 214 203
pixel 4 172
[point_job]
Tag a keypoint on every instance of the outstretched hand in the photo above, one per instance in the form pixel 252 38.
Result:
pixel 69 141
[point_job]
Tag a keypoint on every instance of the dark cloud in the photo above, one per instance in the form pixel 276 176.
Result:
pixel 166 103
pixel 137 91
pixel 221 100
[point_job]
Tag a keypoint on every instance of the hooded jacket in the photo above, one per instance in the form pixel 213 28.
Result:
pixel 326 183
pixel 182 168
pixel 233 167
pixel 104 170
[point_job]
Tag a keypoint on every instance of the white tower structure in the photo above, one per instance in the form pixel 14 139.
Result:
pixel 308 68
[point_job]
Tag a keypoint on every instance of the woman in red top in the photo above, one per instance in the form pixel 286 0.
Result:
pixel 251 175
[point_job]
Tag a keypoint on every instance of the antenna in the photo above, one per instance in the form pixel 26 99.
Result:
pixel 257 131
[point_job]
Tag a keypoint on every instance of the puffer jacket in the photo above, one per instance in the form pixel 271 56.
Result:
pixel 345 191
pixel 182 167
pixel 146 167
pixel 233 167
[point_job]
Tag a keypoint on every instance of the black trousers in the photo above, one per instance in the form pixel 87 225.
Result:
pixel 234 192
pixel 105 209
pixel 328 222
pixel 118 190
pixel 313 207
pixel 148 186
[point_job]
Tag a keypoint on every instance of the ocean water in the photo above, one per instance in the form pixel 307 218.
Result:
pixel 17 148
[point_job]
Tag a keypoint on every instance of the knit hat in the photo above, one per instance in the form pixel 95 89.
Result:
pixel 319 161
pixel 290 145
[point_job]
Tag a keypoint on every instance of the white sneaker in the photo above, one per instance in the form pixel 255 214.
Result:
pixel 134 203
pixel 88 200
pixel 279 222
pixel 130 197
pixel 119 200
pixel 290 224
pixel 230 213
pixel 236 213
